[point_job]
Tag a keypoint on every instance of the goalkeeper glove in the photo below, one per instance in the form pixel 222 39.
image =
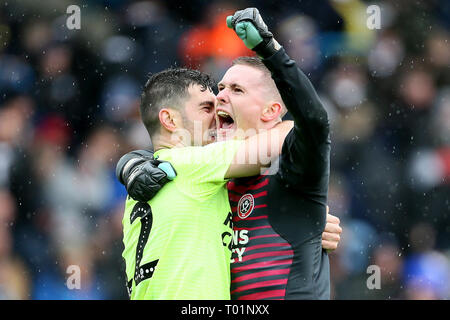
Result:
pixel 143 175
pixel 250 27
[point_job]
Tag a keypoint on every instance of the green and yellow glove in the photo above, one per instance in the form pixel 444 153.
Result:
pixel 250 27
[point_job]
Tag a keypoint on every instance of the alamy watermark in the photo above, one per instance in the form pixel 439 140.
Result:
pixel 73 21
pixel 374 17
pixel 74 279
pixel 374 280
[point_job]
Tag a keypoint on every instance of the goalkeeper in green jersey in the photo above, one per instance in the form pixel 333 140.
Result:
pixel 178 245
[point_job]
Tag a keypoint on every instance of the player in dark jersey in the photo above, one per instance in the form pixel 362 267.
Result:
pixel 277 219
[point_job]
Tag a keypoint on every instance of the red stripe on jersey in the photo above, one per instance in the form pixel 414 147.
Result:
pixel 242 189
pixel 255 228
pixel 261 206
pixel 262 295
pixel 264 236
pixel 249 180
pixel 261 274
pixel 267 254
pixel 262 264
pixel 236 218
pixel 260 284
pixel 256 207
pixel 260 194
pixel 236 198
pixel 259 246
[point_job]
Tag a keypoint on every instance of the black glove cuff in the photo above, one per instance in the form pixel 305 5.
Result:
pixel 266 49
pixel 128 169
pixel 145 180
pixel 121 173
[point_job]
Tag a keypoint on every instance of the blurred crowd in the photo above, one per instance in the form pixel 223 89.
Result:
pixel 69 109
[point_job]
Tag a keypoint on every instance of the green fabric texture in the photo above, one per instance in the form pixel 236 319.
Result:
pixel 189 237
pixel 247 32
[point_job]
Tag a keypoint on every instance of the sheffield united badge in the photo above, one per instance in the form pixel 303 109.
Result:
pixel 245 205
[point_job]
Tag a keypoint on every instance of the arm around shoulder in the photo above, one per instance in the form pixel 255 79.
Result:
pixel 258 151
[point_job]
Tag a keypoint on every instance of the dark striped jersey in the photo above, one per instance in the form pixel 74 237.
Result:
pixel 278 219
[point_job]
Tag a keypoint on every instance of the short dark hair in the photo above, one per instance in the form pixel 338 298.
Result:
pixel 168 88
pixel 252 62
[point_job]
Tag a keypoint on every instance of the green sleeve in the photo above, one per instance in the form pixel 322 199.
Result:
pixel 201 170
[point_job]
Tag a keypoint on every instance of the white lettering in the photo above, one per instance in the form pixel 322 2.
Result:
pixel 240 252
pixel 74 280
pixel 243 235
pixel 74 20
pixel 374 19
pixel 374 281
pixel 198 310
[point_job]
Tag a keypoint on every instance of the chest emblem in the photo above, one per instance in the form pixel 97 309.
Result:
pixel 245 206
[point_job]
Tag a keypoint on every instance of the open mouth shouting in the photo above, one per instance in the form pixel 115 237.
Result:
pixel 226 121
pixel 225 125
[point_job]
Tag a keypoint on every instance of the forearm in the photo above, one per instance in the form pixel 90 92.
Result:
pixel 258 151
pixel 306 150
pixel 295 88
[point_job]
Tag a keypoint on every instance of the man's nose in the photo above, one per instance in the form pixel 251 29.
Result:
pixel 222 96
pixel 213 123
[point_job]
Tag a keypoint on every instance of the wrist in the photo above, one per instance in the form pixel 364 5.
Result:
pixel 266 49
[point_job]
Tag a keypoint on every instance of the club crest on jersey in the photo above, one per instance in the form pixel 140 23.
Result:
pixel 245 206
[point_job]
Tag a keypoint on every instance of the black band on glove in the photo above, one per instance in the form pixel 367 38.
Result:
pixel 141 155
pixel 267 49
pixel 145 180
pixel 138 171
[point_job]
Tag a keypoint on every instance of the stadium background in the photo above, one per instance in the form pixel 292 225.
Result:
pixel 69 109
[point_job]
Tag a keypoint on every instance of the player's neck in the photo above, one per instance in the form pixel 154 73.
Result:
pixel 268 125
pixel 168 142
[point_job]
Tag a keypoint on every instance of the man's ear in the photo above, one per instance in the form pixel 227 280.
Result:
pixel 167 119
pixel 272 111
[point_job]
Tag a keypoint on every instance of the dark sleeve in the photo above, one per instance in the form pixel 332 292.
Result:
pixel 135 155
pixel 304 162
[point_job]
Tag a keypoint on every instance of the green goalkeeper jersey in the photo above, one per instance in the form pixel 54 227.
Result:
pixel 178 245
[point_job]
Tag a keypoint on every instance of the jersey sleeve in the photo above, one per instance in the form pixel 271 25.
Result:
pixel 304 161
pixel 201 170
